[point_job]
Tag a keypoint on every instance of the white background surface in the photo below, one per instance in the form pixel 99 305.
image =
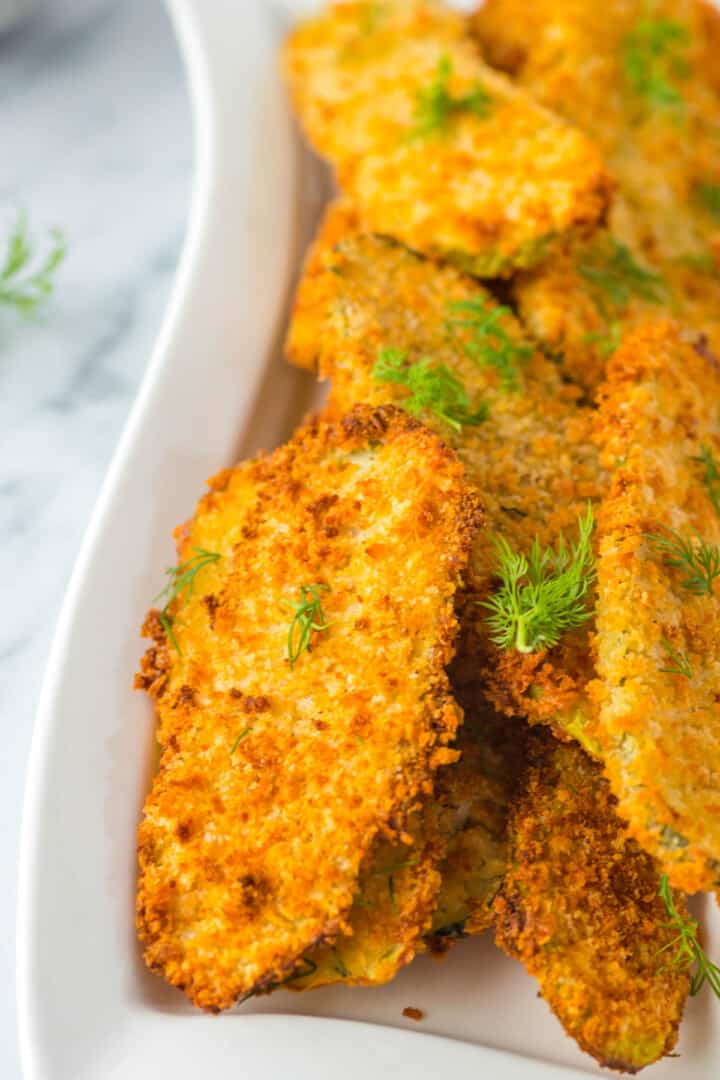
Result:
pixel 95 135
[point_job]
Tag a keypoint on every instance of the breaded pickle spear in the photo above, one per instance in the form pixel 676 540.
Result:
pixel 532 457
pixel 579 907
pixel 296 722
pixel 436 149
pixel 444 882
pixel 658 600
pixel 397 892
pixel 640 79
pixel 474 797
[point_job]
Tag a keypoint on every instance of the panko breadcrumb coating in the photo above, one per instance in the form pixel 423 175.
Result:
pixel 444 882
pixel 643 82
pixel 392 909
pixel 576 320
pixel 532 459
pixel 659 731
pixel 274 780
pixel 436 149
pixel 579 907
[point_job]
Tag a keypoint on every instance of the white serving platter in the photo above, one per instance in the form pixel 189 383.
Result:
pixel 216 388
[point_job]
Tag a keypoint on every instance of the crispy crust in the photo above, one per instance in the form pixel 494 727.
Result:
pixel 570 54
pixel 490 192
pixel 443 883
pixel 580 909
pixel 533 459
pixel 249 859
pixel 393 908
pixel 659 733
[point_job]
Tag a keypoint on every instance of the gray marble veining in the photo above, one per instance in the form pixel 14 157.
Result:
pixel 96 139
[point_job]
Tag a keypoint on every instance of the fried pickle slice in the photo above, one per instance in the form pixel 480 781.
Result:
pixel 277 774
pixel 579 907
pixel 532 458
pixel 436 149
pixel 658 659
pixel 643 83
pixel 392 909
pixel 441 886
pixel 474 799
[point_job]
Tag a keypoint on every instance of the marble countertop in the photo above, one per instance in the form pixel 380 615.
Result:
pixel 96 140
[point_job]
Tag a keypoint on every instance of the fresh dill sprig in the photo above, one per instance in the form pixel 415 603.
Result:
pixel 681 664
pixel 697 561
pixel 435 105
pixel 704 261
pixel 243 735
pixel 308 619
pixel 544 595
pixel 180 585
pixel 488 343
pixel 340 965
pixel 433 389
pixel 387 870
pixel 391 892
pixel 652 57
pixel 609 341
pixel 712 475
pixel 24 281
pixel 616 277
pixel 708 196
pixel 689 952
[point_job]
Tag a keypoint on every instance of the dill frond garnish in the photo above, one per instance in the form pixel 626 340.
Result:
pixel 180 585
pixel 698 562
pixel 613 279
pixel 435 105
pixel 308 619
pixel 360 901
pixel 243 735
pixel 708 197
pixel 712 475
pixel 704 261
pixel 544 595
pixel 681 664
pixel 24 281
pixel 487 342
pixel 340 965
pixel 653 60
pixel 387 870
pixel 433 389
pixel 689 953
pixel 608 342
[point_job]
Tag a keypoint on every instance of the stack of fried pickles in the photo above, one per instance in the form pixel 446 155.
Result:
pixel 524 254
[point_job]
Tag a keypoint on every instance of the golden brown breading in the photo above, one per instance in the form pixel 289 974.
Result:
pixel 274 781
pixel 397 892
pixel 643 83
pixel 658 732
pixel 576 320
pixel 579 907
pixel 532 459
pixel 444 882
pixel 489 184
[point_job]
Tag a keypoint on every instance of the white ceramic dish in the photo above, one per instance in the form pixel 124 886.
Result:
pixel 217 388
